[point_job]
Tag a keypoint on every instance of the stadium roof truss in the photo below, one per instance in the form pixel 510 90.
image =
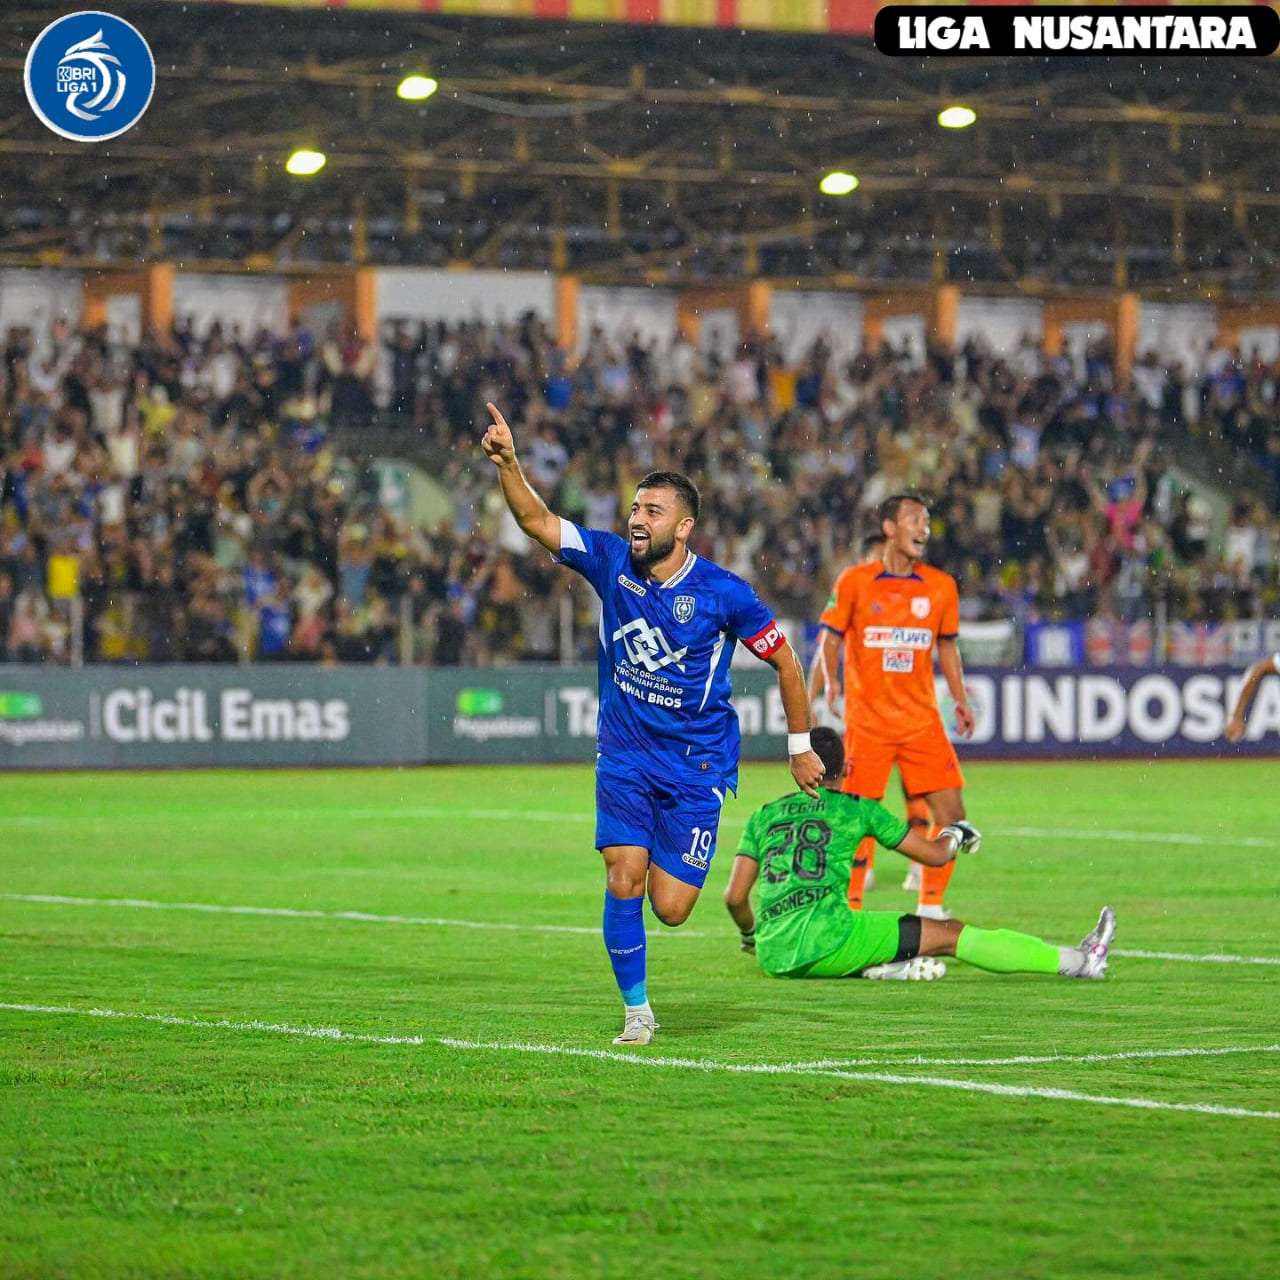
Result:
pixel 633 154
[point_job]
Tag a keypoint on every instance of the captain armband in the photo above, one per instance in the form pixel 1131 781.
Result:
pixel 764 644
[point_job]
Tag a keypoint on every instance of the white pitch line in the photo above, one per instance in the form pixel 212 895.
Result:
pixel 1216 957
pixel 290 913
pixel 387 812
pixel 1061 1095
pixel 370 917
pixel 217 1024
pixel 583 816
pixel 1134 837
pixel 644 1060
pixel 823 1066
pixel 1036 1059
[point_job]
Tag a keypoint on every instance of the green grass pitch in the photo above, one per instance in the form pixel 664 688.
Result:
pixel 205 1146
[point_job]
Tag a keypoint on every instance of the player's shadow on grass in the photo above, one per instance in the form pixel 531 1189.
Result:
pixel 676 1021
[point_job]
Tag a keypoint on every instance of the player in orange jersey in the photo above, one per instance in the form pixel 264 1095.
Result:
pixel 862 879
pixel 889 615
pixel 1257 674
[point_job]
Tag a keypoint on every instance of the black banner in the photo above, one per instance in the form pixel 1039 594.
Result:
pixel 1240 30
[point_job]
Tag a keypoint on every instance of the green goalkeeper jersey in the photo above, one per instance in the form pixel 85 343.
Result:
pixel 805 849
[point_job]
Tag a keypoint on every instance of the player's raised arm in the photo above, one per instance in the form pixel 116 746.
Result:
pixel 1257 674
pixel 531 513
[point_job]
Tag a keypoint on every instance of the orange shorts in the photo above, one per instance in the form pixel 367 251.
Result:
pixel 926 760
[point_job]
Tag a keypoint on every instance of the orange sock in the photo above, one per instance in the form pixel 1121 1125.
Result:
pixel 934 880
pixel 918 814
pixel 863 860
pixel 933 884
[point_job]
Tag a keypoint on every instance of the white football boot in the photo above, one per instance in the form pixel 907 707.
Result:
pixel 639 1028
pixel 1096 943
pixel 918 969
pixel 931 912
pixel 911 883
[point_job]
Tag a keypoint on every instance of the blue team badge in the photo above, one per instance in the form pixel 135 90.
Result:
pixel 90 76
pixel 683 608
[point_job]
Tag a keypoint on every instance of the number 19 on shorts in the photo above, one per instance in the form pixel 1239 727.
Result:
pixel 702 839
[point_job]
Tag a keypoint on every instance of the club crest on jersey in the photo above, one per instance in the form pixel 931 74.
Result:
pixel 919 606
pixel 647 647
pixel 683 608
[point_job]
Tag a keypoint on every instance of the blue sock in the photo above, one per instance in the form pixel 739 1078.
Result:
pixel 624 941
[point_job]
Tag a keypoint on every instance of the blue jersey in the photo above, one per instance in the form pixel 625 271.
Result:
pixel 664 658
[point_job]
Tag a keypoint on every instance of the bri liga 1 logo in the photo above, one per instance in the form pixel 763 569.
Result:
pixel 90 76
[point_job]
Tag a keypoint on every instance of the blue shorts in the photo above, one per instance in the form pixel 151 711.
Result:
pixel 677 824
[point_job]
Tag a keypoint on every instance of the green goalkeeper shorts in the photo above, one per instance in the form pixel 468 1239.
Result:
pixel 874 938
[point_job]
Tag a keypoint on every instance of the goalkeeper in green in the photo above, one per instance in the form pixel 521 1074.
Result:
pixel 801 850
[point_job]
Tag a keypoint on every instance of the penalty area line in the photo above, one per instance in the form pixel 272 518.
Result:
pixel 370 917
pixel 335 1034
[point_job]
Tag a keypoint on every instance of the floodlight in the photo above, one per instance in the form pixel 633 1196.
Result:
pixel 957 117
pixel 416 88
pixel 838 183
pixel 304 162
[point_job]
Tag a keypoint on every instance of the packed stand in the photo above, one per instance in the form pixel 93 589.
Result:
pixel 187 493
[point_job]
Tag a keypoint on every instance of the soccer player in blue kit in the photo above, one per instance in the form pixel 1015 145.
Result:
pixel 668 735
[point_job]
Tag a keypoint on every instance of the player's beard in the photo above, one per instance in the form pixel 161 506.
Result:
pixel 653 553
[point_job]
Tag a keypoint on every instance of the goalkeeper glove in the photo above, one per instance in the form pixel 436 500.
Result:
pixel 749 941
pixel 967 837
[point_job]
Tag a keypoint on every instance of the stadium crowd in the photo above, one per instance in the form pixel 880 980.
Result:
pixel 189 491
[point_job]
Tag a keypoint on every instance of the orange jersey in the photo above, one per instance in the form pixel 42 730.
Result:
pixel 890 626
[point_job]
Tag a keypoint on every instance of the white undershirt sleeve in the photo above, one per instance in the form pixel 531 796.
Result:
pixel 571 539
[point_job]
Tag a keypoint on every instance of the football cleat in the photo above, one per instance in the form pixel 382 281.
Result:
pixel 1096 943
pixel 639 1028
pixel 911 882
pixel 918 969
pixel 930 912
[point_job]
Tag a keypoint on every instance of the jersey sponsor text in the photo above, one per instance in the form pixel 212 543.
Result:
pixel 897 638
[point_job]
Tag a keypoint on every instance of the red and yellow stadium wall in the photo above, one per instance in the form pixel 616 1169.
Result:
pixel 831 17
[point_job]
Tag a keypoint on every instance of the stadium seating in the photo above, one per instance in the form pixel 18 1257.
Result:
pixel 205 495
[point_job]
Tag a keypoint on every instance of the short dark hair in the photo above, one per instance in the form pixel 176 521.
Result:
pixel 869 539
pixel 890 507
pixel 829 748
pixel 685 489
